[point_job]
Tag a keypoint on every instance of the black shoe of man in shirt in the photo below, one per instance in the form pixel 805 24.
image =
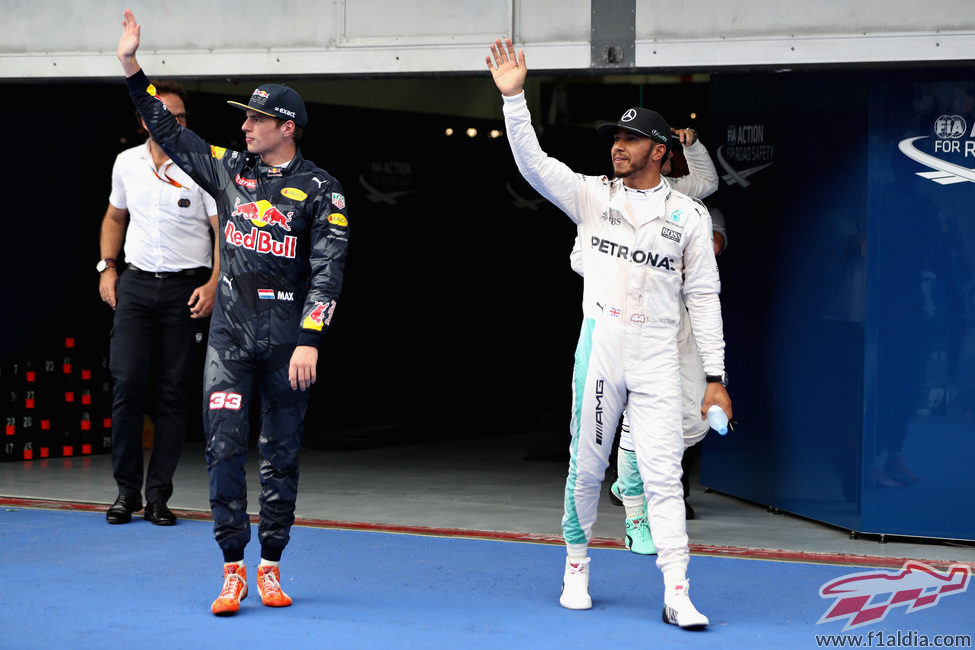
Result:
pixel 159 514
pixel 121 511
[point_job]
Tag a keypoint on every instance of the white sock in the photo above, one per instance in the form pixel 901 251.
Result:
pixel 241 563
pixel 672 577
pixel 268 563
pixel 635 511
pixel 633 502
pixel 577 552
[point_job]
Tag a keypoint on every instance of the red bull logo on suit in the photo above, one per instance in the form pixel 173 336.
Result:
pixel 262 213
pixel 320 316
pixel 261 241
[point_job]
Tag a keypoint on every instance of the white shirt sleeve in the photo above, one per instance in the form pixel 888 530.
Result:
pixel 702 177
pixel 701 288
pixel 208 203
pixel 117 197
pixel 575 256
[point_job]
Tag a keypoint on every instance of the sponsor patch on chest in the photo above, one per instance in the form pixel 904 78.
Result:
pixel 672 235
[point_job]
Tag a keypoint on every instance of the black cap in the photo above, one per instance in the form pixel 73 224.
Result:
pixel 642 121
pixel 277 101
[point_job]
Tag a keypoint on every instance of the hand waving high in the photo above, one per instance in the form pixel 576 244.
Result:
pixel 509 72
pixel 129 43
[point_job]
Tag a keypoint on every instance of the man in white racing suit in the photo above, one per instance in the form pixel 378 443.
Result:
pixel 643 243
pixel 699 181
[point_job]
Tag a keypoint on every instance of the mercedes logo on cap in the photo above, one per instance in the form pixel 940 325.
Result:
pixel 628 115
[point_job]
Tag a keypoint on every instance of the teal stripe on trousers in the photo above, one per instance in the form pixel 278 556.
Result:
pixel 628 474
pixel 571 530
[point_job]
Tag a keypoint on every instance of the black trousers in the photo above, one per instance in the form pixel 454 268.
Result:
pixel 153 334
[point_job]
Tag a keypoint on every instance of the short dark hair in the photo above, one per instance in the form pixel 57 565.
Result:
pixel 298 130
pixel 167 87
pixel 678 162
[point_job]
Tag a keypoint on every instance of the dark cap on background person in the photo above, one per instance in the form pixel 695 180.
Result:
pixel 642 121
pixel 277 101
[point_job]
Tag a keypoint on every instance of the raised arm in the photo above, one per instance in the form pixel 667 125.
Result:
pixel 702 177
pixel 550 178
pixel 191 153
pixel 129 43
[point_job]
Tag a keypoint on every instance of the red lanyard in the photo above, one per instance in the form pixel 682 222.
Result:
pixel 168 179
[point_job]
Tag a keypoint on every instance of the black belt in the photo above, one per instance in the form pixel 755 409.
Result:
pixel 200 270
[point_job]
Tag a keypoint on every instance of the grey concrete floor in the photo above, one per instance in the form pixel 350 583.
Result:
pixel 479 484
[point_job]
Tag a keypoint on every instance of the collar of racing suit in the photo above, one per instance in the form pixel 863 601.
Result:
pixel 619 202
pixel 261 168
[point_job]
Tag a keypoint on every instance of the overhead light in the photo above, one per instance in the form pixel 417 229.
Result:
pixel 471 132
pixel 495 133
pixel 448 131
pixel 693 116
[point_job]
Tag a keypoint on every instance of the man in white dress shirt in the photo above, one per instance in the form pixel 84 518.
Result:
pixel 169 283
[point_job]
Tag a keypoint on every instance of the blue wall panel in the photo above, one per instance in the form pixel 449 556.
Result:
pixel 792 289
pixel 919 435
pixel 847 296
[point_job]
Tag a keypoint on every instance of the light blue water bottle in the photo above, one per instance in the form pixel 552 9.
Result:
pixel 717 419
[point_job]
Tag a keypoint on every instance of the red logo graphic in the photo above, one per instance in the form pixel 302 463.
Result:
pixel 247 210
pixel 249 183
pixel 275 217
pixel 262 213
pixel 865 598
pixel 222 400
pixel 261 241
pixel 318 314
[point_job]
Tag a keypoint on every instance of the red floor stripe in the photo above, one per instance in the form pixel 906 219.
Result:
pixel 598 542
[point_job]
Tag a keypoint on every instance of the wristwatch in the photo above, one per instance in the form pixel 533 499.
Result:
pixel 108 262
pixel 717 379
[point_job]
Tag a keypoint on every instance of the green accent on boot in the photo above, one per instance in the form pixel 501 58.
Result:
pixel 614 494
pixel 638 538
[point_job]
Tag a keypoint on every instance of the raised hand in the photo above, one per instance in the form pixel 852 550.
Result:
pixel 509 71
pixel 129 43
pixel 686 136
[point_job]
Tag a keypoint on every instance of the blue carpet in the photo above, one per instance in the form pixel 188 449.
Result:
pixel 71 580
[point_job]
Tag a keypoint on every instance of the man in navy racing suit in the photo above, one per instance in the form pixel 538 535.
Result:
pixel 283 240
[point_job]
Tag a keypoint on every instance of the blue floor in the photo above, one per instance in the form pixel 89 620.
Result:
pixel 71 580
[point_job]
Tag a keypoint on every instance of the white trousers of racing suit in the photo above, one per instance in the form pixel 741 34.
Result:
pixel 627 351
pixel 693 384
pixel 694 429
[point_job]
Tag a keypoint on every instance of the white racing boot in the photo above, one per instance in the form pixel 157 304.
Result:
pixel 679 610
pixel 575 586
